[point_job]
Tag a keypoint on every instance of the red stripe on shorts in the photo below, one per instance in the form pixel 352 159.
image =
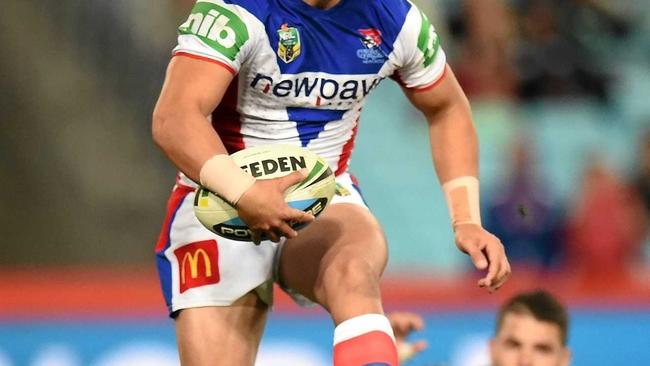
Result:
pixel 178 195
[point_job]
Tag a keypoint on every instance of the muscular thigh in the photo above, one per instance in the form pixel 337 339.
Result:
pixel 221 336
pixel 343 232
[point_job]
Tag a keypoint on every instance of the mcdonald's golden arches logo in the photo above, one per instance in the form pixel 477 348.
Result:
pixel 197 264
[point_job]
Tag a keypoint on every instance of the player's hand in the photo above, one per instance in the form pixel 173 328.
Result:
pixel 403 324
pixel 263 209
pixel 486 252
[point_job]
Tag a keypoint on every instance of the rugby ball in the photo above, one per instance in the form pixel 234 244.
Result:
pixel 311 195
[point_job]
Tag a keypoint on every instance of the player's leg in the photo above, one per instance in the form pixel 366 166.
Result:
pixel 218 288
pixel 221 336
pixel 337 262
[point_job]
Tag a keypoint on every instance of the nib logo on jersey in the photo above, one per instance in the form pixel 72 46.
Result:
pixel 371 54
pixel 217 27
pixel 319 89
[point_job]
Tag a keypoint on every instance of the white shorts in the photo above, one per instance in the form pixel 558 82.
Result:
pixel 198 268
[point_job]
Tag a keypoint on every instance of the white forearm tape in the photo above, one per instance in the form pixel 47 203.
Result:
pixel 222 176
pixel 463 200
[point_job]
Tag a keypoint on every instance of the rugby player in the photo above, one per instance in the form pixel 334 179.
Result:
pixel 253 72
pixel 531 331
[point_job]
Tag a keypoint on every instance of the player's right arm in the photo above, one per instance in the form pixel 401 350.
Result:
pixel 192 90
pixel 213 43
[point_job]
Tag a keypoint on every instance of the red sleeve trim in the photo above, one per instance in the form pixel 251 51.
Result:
pixel 433 84
pixel 208 59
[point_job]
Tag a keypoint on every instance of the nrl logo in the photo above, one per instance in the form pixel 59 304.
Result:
pixel 289 43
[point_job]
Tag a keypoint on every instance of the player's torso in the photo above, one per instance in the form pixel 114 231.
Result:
pixel 307 74
pixel 319 59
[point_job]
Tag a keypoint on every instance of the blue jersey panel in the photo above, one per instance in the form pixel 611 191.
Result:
pixel 354 37
pixel 311 122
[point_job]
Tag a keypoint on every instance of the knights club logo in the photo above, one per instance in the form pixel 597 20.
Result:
pixel 371 53
pixel 371 37
pixel 288 43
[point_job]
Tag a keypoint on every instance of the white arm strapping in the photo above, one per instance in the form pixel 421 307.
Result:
pixel 222 176
pixel 462 196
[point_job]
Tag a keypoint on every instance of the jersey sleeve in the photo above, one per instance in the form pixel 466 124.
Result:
pixel 420 59
pixel 218 32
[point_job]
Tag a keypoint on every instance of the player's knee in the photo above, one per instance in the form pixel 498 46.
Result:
pixel 351 275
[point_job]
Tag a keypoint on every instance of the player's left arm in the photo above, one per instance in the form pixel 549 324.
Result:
pixel 454 147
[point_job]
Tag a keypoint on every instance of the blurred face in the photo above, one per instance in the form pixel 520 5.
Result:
pixel 526 341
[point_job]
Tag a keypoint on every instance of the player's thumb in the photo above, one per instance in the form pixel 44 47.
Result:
pixel 291 179
pixel 478 258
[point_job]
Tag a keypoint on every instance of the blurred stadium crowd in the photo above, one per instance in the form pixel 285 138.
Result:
pixel 559 90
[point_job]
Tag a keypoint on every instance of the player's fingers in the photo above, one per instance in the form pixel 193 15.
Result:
pixel 406 351
pixel 505 270
pixel 496 286
pixel 256 237
pixel 413 322
pixel 408 324
pixel 291 179
pixel 285 230
pixel 293 215
pixel 503 275
pixel 272 236
pixel 420 346
pixel 476 255
pixel 401 330
pixel 494 251
pixel 418 323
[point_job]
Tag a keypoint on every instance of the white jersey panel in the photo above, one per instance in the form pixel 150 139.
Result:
pixel 417 56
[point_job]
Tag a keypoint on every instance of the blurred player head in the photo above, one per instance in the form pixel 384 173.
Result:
pixel 531 331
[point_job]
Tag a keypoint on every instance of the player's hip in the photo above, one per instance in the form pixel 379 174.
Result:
pixel 198 268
